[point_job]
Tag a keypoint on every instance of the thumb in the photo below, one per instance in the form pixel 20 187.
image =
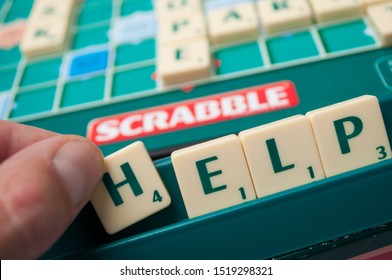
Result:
pixel 42 188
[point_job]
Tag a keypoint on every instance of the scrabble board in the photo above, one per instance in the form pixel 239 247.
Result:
pixel 175 73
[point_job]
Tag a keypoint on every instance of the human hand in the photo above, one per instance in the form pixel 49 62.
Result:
pixel 45 180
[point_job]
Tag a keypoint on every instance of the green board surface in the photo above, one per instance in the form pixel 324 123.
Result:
pixel 83 91
pixel 7 77
pixel 10 56
pixel 40 72
pixel 292 47
pixel 346 36
pixel 237 58
pixel 34 101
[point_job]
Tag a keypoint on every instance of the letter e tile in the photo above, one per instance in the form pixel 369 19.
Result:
pixel 213 175
pixel 184 62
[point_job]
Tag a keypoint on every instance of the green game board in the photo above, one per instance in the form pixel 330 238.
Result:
pixel 109 68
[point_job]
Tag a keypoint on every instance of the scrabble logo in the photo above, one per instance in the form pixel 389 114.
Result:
pixel 192 113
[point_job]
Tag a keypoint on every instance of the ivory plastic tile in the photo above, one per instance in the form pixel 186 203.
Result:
pixel 372 2
pixel 277 16
pixel 381 18
pixel 44 37
pixel 180 28
pixel 350 134
pixel 282 155
pixel 329 10
pixel 184 62
pixel 52 9
pixel 213 175
pixel 169 8
pixel 131 189
pixel 233 23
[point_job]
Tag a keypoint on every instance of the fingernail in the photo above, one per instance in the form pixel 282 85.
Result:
pixel 79 165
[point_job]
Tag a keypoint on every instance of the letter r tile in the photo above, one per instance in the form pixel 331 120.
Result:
pixel 329 10
pixel 350 134
pixel 213 175
pixel 131 189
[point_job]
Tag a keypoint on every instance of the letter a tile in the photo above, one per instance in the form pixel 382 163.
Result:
pixel 131 189
pixel 282 155
pixel 350 134
pixel 213 175
pixel 233 23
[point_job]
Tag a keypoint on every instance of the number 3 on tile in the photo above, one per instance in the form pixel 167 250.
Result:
pixel 156 197
pixel 381 150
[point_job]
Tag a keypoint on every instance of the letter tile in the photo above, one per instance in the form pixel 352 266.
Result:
pixel 380 17
pixel 282 15
pixel 184 62
pixel 372 2
pixel 282 155
pixel 350 134
pixel 181 28
pixel 329 10
pixel 131 189
pixel 169 8
pixel 52 9
pixel 233 23
pixel 213 175
pixel 44 37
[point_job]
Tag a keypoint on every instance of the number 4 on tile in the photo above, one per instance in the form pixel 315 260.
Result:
pixel 157 197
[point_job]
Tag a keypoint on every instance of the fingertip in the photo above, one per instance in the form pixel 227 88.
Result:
pixel 80 166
